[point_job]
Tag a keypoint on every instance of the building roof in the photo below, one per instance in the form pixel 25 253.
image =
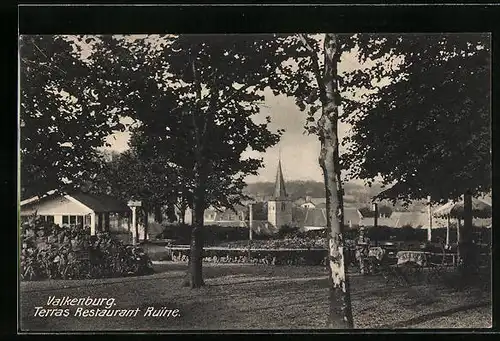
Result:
pixel 97 203
pixel 480 209
pixel 37 198
pixel 316 201
pixel 100 203
pixel 381 221
pixel 226 214
pixel 299 201
pixel 352 215
pixel 279 186
pixel 315 217
pixel 414 219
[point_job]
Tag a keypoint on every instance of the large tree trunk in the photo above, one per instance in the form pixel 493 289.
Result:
pixel 340 314
pixel 194 276
pixel 195 271
pixel 158 214
pixel 146 224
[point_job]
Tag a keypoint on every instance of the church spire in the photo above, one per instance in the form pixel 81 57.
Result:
pixel 279 189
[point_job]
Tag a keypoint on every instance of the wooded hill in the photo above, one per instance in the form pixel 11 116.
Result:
pixel 355 194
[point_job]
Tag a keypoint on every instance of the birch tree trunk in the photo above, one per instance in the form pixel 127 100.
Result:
pixel 340 313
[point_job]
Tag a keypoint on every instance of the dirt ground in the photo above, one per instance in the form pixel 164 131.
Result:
pixel 255 297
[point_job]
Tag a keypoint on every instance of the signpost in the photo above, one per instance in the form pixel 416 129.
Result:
pixel 133 205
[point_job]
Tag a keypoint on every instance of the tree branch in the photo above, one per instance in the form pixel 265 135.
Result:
pixel 315 64
pixel 47 57
pixel 44 65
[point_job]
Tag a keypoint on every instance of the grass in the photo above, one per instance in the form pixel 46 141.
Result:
pixel 256 297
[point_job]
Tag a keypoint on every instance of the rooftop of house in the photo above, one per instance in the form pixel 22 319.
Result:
pixel 97 203
pixel 100 203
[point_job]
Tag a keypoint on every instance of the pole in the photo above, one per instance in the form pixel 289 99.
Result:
pixel 375 217
pixel 250 222
pixel 448 231
pixel 429 229
pixel 134 227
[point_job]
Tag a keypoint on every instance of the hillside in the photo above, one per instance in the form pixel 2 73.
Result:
pixel 354 194
pixel 296 189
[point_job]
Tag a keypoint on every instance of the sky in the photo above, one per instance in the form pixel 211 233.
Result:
pixel 299 151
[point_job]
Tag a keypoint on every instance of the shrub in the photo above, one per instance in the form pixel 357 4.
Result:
pixel 270 257
pixel 49 252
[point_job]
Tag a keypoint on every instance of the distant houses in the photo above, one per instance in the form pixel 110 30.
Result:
pixel 310 202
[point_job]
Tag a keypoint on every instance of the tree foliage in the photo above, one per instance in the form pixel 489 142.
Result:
pixel 64 116
pixel 425 131
pixel 194 96
pixel 129 177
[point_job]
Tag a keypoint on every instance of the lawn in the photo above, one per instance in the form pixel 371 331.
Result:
pixel 255 297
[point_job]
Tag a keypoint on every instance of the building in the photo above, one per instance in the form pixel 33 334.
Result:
pixel 228 217
pixel 310 202
pixel 100 213
pixel 279 207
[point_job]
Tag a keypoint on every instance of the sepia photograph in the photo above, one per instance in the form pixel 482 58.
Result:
pixel 298 181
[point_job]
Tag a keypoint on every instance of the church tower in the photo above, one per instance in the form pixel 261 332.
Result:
pixel 279 208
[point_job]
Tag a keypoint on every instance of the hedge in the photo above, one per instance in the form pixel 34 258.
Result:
pixel 259 256
pixel 49 251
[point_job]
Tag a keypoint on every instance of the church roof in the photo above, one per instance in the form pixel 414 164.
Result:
pixel 279 187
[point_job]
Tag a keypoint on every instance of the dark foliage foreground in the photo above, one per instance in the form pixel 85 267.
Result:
pixel 49 251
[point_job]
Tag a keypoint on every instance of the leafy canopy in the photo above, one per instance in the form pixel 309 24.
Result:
pixel 64 117
pixel 425 131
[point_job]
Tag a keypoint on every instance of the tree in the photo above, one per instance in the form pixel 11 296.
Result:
pixel 427 131
pixel 314 84
pixel 153 181
pixel 63 118
pixel 218 83
pixel 195 100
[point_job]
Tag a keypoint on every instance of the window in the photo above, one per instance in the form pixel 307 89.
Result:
pixel 283 206
pixel 47 218
pixel 72 220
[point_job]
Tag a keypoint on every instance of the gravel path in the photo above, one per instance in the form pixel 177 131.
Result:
pixel 254 297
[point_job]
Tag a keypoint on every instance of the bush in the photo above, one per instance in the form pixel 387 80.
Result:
pixel 270 257
pixel 51 252
pixel 286 243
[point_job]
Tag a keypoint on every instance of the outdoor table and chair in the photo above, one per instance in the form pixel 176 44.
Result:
pixel 405 266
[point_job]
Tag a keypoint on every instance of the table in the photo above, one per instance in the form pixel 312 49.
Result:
pixel 376 252
pixel 419 257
